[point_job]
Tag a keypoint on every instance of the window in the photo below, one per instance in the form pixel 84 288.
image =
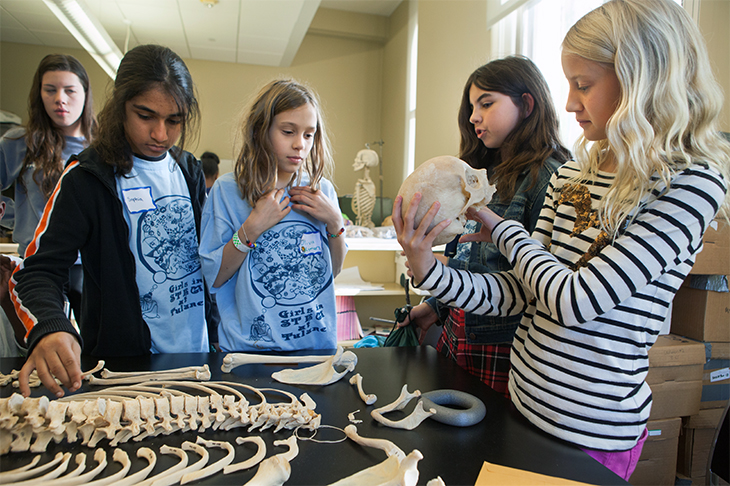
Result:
pixel 411 79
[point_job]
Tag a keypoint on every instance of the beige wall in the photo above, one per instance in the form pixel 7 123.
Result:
pixel 714 23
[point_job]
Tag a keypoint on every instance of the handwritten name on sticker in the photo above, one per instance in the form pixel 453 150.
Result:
pixel 720 375
pixel 139 199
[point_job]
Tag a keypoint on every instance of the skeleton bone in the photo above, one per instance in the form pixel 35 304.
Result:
pixel 135 478
pixel 60 469
pixel 352 419
pixel 99 457
pixel 175 477
pixel 320 374
pixel 384 445
pixel 437 481
pixel 234 360
pixel 410 422
pixel 216 466
pixel 390 472
pixel 28 471
pixel 453 183
pixel 112 417
pixel 121 457
pixel 357 381
pixel 275 470
pixel 249 463
pixel 165 449
pixel 198 373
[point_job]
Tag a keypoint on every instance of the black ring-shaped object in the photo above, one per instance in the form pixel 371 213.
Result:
pixel 473 411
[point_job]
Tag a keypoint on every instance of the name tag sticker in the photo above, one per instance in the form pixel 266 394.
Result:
pixel 139 199
pixel 720 375
pixel 310 244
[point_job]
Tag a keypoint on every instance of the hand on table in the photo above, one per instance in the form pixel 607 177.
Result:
pixel 55 355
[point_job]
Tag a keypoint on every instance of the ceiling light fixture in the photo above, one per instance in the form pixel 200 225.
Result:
pixel 88 31
pixel 209 3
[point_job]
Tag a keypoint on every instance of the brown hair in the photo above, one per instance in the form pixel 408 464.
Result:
pixel 45 141
pixel 256 167
pixel 533 140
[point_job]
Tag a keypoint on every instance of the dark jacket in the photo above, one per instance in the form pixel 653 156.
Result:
pixel 524 207
pixel 86 215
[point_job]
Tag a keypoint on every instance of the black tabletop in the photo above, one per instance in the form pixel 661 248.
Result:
pixel 455 454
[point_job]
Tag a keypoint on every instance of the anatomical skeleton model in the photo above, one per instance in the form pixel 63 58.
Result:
pixel 363 201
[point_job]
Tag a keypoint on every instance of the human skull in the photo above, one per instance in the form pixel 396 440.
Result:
pixel 365 158
pixel 453 183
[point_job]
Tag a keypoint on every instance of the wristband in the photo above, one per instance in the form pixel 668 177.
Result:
pixel 241 246
pixel 335 235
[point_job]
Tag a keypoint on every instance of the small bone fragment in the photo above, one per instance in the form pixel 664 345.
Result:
pixel 57 415
pixel 234 360
pixel 216 466
pixel 352 419
pixel 437 481
pixel 23 434
pixel 35 410
pixel 164 449
pixel 249 463
pixel 112 417
pixel 132 479
pixel 275 470
pixel 205 415
pixel 177 408
pixel 162 407
pixel 357 381
pixel 320 374
pixel 87 374
pixel 5 379
pixel 132 415
pixel 191 410
pixel 147 413
pixel 409 423
pixel 121 457
pixel 308 401
pixel 175 477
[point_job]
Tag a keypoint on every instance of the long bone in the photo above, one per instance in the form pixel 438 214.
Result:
pixel 105 373
pixel 390 472
pixel 255 459
pixel 212 468
pixel 21 469
pixel 357 381
pixel 234 360
pixel 384 445
pixel 198 373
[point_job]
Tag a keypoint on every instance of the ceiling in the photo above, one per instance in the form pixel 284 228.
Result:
pixel 263 32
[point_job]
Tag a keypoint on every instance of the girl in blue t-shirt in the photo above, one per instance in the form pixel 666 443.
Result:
pixel 271 232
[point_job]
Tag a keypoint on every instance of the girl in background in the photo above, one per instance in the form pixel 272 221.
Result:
pixel 508 126
pixel 131 204
pixel 61 123
pixel 272 230
pixel 618 234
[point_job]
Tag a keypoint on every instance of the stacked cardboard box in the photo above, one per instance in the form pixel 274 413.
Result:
pixel 675 378
pixel 703 313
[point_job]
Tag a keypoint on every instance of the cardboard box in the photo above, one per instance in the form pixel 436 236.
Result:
pixel 714 259
pixel 675 376
pixel 695 442
pixel 658 461
pixel 716 376
pixel 703 315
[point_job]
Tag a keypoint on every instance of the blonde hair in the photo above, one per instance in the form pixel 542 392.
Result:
pixel 256 166
pixel 667 116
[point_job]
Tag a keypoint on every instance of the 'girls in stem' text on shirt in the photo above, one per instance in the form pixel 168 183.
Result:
pixel 272 240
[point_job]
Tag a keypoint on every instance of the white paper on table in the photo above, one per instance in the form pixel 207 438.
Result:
pixel 349 278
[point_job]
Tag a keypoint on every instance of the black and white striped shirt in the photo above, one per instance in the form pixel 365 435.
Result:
pixel 579 358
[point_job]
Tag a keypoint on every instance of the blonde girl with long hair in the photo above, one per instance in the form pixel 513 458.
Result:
pixel 618 234
pixel 272 241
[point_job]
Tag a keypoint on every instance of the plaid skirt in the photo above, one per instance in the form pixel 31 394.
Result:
pixel 489 362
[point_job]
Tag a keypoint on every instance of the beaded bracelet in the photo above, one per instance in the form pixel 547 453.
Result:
pixel 335 235
pixel 240 246
pixel 248 242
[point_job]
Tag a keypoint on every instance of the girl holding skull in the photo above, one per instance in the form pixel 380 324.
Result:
pixel 618 233
pixel 508 126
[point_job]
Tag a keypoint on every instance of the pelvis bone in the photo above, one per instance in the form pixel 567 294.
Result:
pixel 453 183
